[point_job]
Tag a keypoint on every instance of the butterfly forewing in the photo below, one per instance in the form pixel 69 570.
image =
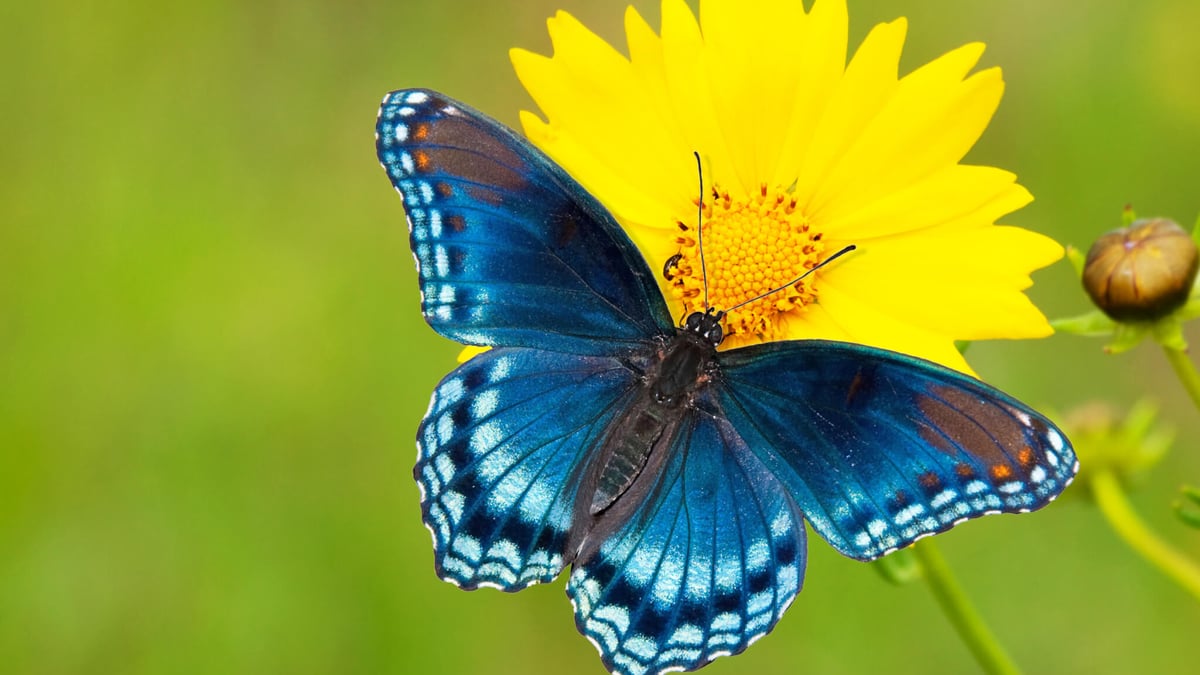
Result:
pixel 881 449
pixel 509 249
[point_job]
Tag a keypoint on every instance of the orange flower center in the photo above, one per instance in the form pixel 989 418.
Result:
pixel 750 247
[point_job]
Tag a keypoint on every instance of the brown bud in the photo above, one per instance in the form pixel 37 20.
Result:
pixel 1142 272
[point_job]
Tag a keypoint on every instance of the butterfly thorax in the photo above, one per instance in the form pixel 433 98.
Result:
pixel 685 359
pixel 636 443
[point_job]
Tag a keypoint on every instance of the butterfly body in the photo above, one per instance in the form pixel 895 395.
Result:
pixel 674 479
pixel 635 444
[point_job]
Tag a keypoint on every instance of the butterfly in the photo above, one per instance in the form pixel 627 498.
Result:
pixel 600 434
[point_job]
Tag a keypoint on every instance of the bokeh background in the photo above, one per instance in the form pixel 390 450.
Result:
pixel 212 360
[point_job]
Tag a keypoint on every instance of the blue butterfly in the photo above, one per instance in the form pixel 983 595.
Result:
pixel 674 479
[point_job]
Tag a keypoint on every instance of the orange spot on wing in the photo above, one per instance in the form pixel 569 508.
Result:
pixel 1001 471
pixel 1025 456
pixel 421 132
pixel 422 158
pixel 964 470
pixel 929 480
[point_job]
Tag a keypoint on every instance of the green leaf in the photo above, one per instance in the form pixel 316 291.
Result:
pixel 1127 336
pixel 1189 514
pixel 1077 259
pixel 1168 332
pixel 1092 324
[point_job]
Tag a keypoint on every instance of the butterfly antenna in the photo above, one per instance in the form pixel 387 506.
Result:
pixel 700 228
pixel 823 263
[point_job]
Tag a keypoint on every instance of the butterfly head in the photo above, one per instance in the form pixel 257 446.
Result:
pixel 706 325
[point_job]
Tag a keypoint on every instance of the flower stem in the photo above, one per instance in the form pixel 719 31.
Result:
pixel 962 614
pixel 1186 372
pixel 1106 489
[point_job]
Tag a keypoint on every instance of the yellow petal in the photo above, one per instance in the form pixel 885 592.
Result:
pixel 865 324
pixel 961 283
pixel 819 69
pixel 646 60
pixel 691 94
pixel 867 84
pixel 930 122
pixel 610 184
pixel 471 352
pixel 957 195
pixel 752 64
pixel 622 151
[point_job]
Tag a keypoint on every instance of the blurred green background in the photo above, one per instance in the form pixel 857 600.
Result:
pixel 213 362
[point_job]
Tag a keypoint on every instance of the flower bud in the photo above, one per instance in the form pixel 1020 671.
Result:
pixel 1142 272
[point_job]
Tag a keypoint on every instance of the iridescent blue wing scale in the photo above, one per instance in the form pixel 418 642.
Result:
pixel 704 567
pixel 880 449
pixel 510 250
pixel 498 460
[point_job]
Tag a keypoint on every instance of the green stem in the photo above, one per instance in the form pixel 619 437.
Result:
pixel 1186 372
pixel 962 614
pixel 1109 496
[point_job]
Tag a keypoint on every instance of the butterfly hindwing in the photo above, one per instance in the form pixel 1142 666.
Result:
pixel 880 449
pixel 510 250
pixel 498 459
pixel 706 566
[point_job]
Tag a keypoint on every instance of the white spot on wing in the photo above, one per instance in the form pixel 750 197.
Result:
pixel 485 403
pixel 485 437
pixel 441 261
pixel 908 513
pixel 1056 439
pixel 444 429
pixel 1011 487
pixel 944 497
pixel 451 390
pixel 500 369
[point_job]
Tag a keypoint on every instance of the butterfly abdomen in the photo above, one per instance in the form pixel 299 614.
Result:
pixel 632 443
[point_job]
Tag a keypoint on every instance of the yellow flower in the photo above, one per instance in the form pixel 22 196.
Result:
pixel 802 155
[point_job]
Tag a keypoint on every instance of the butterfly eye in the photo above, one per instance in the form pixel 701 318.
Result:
pixel 714 334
